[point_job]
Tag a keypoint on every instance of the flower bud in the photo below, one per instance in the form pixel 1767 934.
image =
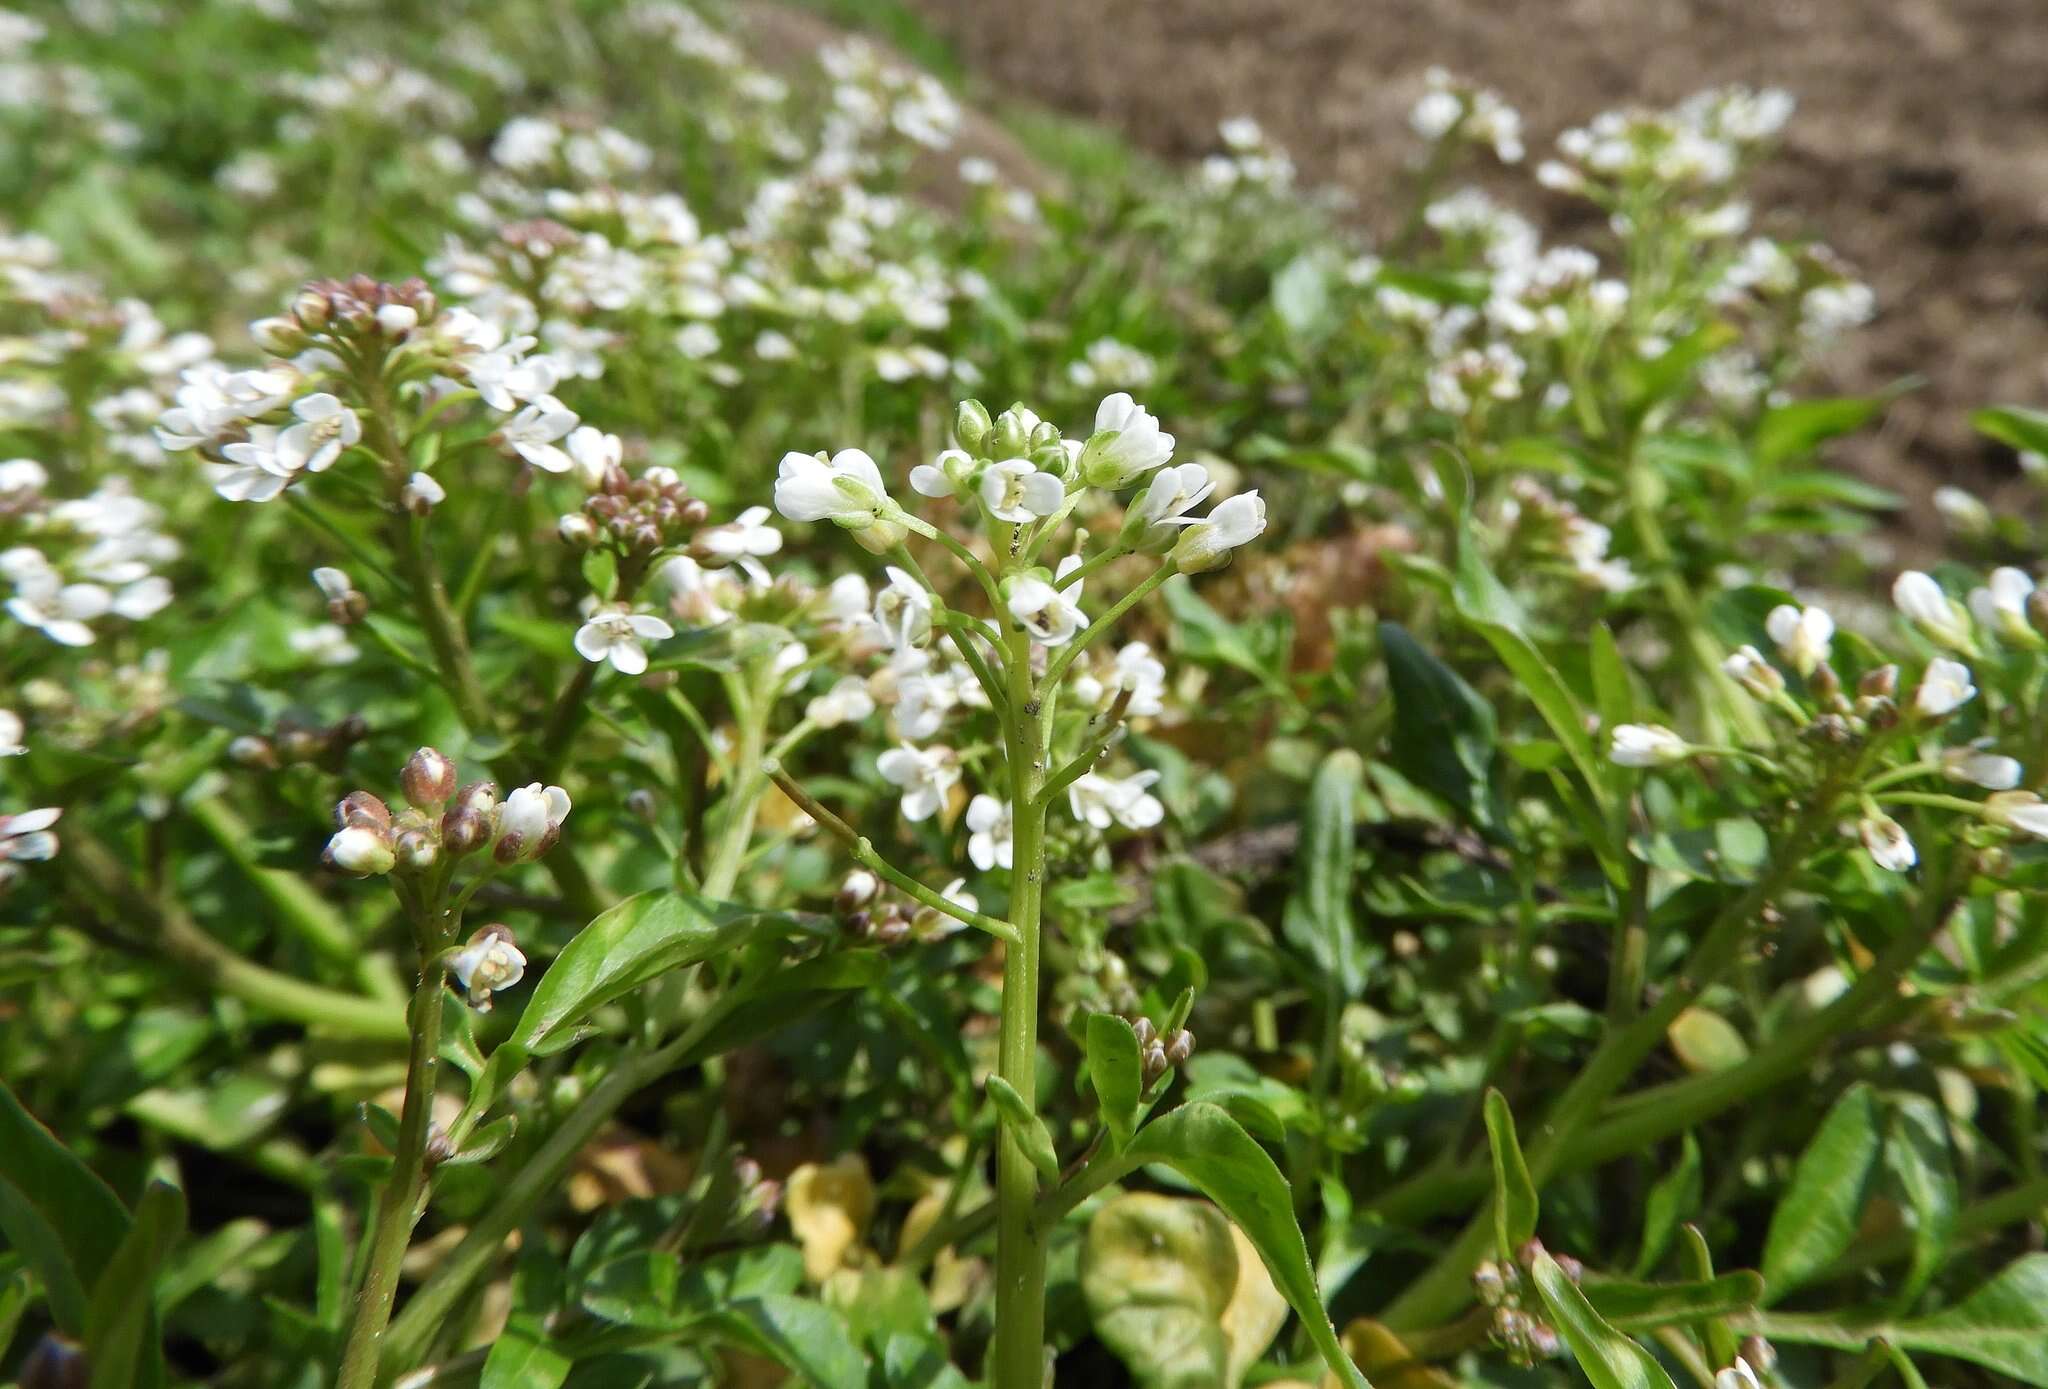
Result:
pixel 529 823
pixel 1487 1284
pixel 251 751
pixel 1146 1032
pixel 311 309
pixel 422 494
pixel 396 320
pixel 297 743
pixel 856 890
pixel 1154 1059
pixel 438 1146
pixel 891 928
pixel 57 1362
pixel 466 825
pixel 1824 683
pixel 361 849
pixel 1010 436
pixel 428 779
pixel 360 809
pixel 1526 1254
pixel 1179 1047
pixel 642 804
pixel 280 337
pixel 577 531
pixel 1881 683
pixel 417 850
pixel 970 425
pixel 1757 1353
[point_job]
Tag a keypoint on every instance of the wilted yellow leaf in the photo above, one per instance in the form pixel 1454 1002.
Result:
pixel 829 1207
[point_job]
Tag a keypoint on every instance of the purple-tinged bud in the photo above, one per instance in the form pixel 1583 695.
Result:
pixel 856 890
pixel 577 531
pixel 1526 1255
pixel 469 821
pixel 1570 1267
pixel 1154 1061
pixel 280 337
pixel 1543 1342
pixel 296 743
pixel 311 308
pixel 1487 1284
pixel 417 850
pixel 1759 1355
pixel 1824 683
pixel 428 779
pixel 1881 683
pixel 1179 1047
pixel 643 804
pixel 361 809
pixel 1146 1033
pixel 57 1362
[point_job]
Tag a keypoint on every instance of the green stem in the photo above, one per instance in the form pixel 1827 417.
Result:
pixel 437 618
pixel 1437 1295
pixel 1058 666
pixel 404 1196
pixel 1017 1357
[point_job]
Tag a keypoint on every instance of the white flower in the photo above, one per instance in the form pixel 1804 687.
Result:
pixel 1975 765
pixel 614 633
pixel 924 696
pixel 529 822
pixel 1207 544
pixel 422 494
pixel 846 490
pixel 944 476
pixel 11 731
pixel 324 644
pixel 904 610
pixel 1052 615
pixel 1944 688
pixel 592 454
pixel 2001 605
pixel 772 346
pixel 848 701
pixel 532 433
pixel 924 775
pixel 487 965
pixel 325 428
pixel 744 541
pixel 255 471
pixel 26 838
pixel 990 842
pixel 1014 490
pixel 1802 635
pixel 506 379
pixel 1964 513
pixel 1647 745
pixel 1885 840
pixel 697 341
pixel 60 611
pixel 1101 801
pixel 929 923
pixel 1143 675
pixel 1923 603
pixel 2019 810
pixel 1126 445
pixel 1750 670
pixel 699 596
pixel 1737 1376
pixel 334 584
pixel 1164 504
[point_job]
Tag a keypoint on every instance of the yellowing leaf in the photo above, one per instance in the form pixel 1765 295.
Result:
pixel 1705 1041
pixel 1256 1311
pixel 1387 1362
pixel 829 1207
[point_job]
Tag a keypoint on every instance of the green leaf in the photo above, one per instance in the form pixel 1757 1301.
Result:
pixel 2002 1326
pixel 520 1359
pixel 1816 1219
pixel 1317 920
pixel 1301 294
pixel 65 1222
pixel 1444 734
pixel 1613 695
pixel 1674 1197
pixel 1631 1306
pixel 786 995
pixel 1177 1292
pixel 1610 1359
pixel 1917 1151
pixel 1024 1126
pixel 2023 429
pixel 800 1334
pixel 1223 1162
pixel 1514 1194
pixel 1705 1042
pixel 120 1324
pixel 1787 431
pixel 1117 1071
pixel 642 937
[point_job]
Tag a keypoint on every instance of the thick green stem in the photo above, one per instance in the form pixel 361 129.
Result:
pixel 404 1196
pixel 1017 1359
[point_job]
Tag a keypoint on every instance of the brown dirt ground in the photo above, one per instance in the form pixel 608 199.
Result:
pixel 1920 150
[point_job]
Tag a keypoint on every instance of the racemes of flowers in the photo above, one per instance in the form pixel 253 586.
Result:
pixel 1000 502
pixel 1867 746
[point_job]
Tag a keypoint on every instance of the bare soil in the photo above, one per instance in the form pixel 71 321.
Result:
pixel 1920 150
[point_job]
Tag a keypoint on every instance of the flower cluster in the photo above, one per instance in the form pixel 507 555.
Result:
pixel 442 823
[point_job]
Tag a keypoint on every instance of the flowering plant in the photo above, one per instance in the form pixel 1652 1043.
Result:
pixel 1451 675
